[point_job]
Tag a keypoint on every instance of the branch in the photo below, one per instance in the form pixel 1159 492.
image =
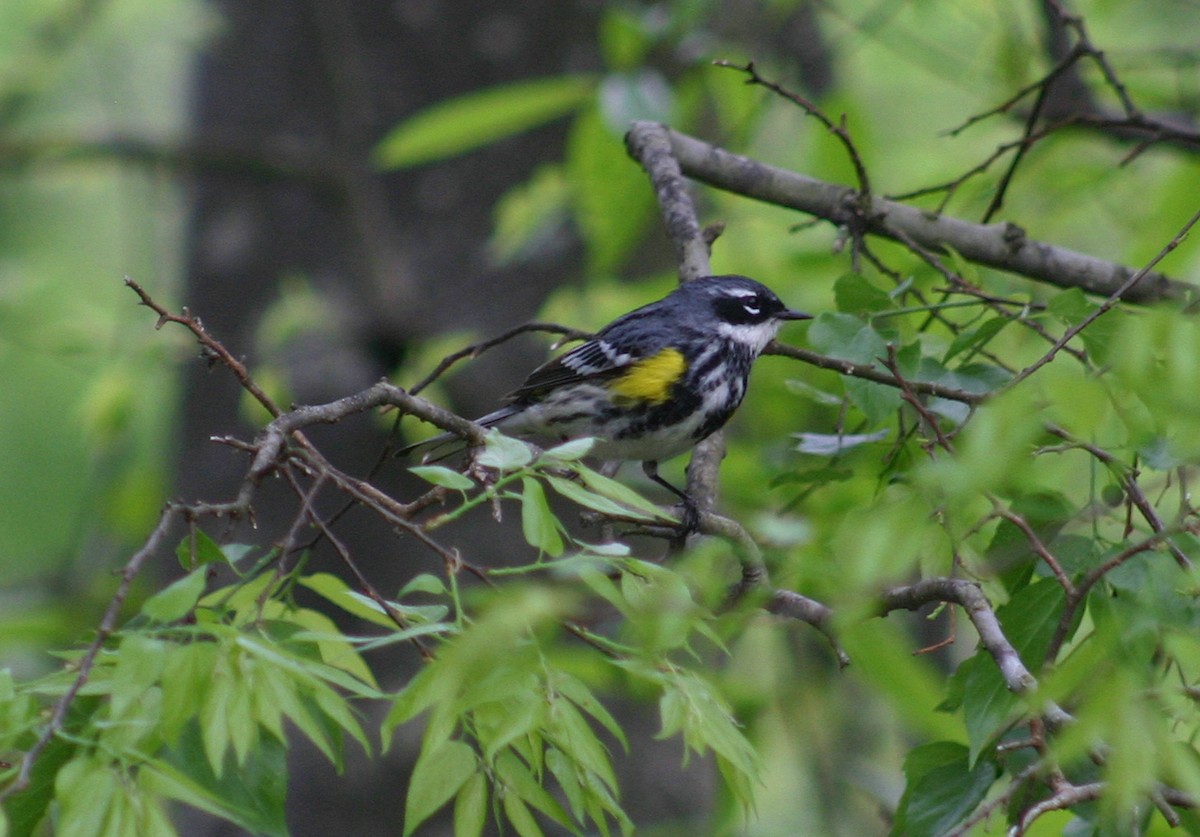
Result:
pixel 108 624
pixel 1001 246
pixel 873 372
pixel 969 596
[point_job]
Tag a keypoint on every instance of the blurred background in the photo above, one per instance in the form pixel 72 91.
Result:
pixel 238 158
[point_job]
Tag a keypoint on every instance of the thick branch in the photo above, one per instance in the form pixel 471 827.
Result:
pixel 1002 246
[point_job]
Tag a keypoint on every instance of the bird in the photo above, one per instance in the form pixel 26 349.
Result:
pixel 654 382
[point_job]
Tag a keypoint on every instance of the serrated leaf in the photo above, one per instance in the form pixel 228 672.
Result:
pixel 479 118
pixel 177 599
pixel 442 476
pixel 538 523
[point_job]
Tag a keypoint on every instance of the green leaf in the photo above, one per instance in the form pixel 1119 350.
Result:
pixel 197 549
pixel 424 583
pixel 576 493
pixel 538 523
pixel 252 796
pixel 177 599
pixel 519 816
pixel 85 789
pixel 836 334
pixel 617 491
pixel 520 783
pixel 471 807
pixel 571 451
pixel 530 217
pixel 437 776
pixel 443 476
pixel 941 789
pixel 623 38
pixel 480 118
pixel 854 294
pixel 878 402
pixel 335 590
pixel 503 452
pixel 612 200
pixel 973 339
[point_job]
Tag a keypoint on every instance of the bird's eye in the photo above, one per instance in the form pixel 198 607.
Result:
pixel 752 309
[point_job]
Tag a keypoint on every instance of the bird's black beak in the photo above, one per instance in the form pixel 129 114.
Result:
pixel 792 314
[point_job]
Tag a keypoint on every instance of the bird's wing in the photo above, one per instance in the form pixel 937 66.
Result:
pixel 598 358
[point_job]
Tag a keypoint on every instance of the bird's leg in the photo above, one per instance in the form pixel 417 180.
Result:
pixel 691 512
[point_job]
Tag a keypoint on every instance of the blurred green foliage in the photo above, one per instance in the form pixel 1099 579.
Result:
pixel 515 723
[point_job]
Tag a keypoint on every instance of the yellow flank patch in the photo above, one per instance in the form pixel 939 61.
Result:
pixel 650 379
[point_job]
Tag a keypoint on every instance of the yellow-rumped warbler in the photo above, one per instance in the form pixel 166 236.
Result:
pixel 654 382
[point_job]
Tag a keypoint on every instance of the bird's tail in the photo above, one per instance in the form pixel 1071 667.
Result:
pixel 433 443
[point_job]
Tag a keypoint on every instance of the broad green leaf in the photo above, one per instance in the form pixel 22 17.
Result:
pixel 538 523
pixel 177 599
pixel 878 402
pixel 504 453
pixel 437 776
pixel 835 334
pixel 442 476
pixel 941 789
pixel 479 118
pixel 854 294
